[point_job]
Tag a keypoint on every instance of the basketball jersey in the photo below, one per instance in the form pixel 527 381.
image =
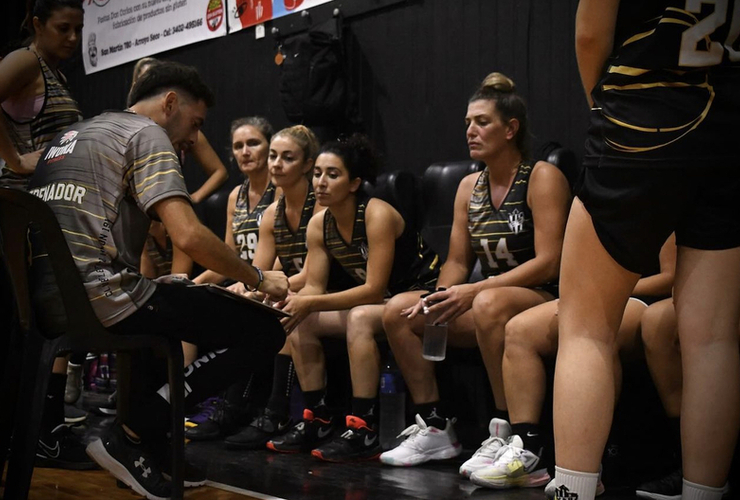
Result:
pixel 501 238
pixel 668 96
pixel 415 265
pixel 58 112
pixel 290 246
pixel 245 225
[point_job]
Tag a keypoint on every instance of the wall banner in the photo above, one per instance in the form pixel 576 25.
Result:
pixel 119 31
pixel 245 13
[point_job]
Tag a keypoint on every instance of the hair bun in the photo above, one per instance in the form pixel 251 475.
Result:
pixel 498 82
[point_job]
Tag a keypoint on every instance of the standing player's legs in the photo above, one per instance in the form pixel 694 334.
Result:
pixel 594 290
pixel 707 298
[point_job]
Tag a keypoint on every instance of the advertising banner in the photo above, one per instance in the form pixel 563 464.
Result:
pixel 119 31
pixel 245 13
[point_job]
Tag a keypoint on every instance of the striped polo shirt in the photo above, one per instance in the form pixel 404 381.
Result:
pixel 101 178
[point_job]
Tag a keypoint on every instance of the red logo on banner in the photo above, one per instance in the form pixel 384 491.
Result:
pixel 214 14
pixel 292 4
pixel 253 12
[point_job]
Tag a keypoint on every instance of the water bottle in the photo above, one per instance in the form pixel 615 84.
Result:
pixel 392 404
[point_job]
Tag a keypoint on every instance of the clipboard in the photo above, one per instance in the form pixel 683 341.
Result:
pixel 219 290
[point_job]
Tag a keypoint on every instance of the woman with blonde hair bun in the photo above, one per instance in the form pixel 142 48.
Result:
pixel 511 218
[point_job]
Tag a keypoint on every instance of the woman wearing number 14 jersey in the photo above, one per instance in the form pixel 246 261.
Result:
pixel 662 79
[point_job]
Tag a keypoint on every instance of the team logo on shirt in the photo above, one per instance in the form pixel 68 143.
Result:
pixel 259 218
pixel 516 221
pixel 363 250
pixel 67 137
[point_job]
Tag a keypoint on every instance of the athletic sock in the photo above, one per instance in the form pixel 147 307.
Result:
pixel 283 378
pixel 366 409
pixel 54 403
pixel 433 414
pixel 530 434
pixel 315 401
pixel 569 482
pixel 693 491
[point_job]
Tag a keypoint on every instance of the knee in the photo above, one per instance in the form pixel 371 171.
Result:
pixel 658 328
pixel 359 324
pixel 489 311
pixel 393 321
pixel 515 332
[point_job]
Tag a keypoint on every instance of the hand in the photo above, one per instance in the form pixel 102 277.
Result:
pixel 300 307
pixel 451 303
pixel 413 311
pixel 27 163
pixel 238 288
pixel 274 284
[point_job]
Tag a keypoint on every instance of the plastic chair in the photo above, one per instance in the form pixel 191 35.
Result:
pixel 80 331
pixel 439 186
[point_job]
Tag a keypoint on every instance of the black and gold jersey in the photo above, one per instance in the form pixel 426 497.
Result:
pixel 245 225
pixel 415 265
pixel 290 246
pixel 668 96
pixel 501 238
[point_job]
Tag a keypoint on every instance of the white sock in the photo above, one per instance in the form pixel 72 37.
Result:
pixel 574 485
pixel 693 491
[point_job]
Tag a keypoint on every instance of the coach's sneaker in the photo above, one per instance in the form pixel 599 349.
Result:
pixel 308 434
pixel 422 444
pixel 600 489
pixel 358 442
pixel 485 456
pixel 263 428
pixel 131 463
pixel 515 467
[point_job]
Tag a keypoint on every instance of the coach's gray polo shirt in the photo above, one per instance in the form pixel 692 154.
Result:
pixel 101 178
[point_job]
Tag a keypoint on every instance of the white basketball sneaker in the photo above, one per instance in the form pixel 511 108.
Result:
pixel 485 456
pixel 515 467
pixel 422 444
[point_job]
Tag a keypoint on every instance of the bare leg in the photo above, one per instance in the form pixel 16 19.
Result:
pixel 594 292
pixel 189 353
pixel 663 354
pixel 492 309
pixel 530 337
pixel 306 349
pixel 707 298
pixel 363 323
pixel 404 336
pixel 60 365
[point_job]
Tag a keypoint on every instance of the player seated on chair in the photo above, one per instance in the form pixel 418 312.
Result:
pixel 120 170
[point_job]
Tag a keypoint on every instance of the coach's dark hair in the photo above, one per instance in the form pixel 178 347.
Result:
pixel 357 154
pixel 167 75
pixel 43 9
pixel 501 89
pixel 261 124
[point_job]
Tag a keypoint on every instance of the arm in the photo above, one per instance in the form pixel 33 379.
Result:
pixel 266 253
pixel 205 248
pixel 661 283
pixel 595 24
pixel 17 71
pixel 460 256
pixel 181 262
pixel 211 165
pixel 549 198
pixel 211 276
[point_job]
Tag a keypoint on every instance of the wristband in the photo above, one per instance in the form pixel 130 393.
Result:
pixel 260 277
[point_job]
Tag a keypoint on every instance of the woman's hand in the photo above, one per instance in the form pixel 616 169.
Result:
pixel 413 311
pixel 297 305
pixel 238 288
pixel 450 303
pixel 27 163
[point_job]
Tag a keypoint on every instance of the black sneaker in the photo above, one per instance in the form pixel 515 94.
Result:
pixel 73 415
pixel 194 476
pixel 358 442
pixel 263 428
pixel 308 434
pixel 668 487
pixel 107 409
pixel 62 449
pixel 223 422
pixel 132 463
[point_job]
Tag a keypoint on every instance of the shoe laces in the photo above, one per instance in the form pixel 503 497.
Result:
pixel 414 433
pixel 491 447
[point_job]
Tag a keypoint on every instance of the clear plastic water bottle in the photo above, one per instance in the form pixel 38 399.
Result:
pixel 392 404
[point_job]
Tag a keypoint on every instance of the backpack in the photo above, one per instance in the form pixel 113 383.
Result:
pixel 313 85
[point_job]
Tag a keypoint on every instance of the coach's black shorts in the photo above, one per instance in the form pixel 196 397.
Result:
pixel 634 210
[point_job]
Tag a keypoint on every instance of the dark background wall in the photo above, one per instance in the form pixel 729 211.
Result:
pixel 413 65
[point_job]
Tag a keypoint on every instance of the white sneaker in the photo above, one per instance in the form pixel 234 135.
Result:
pixel 550 488
pixel 486 455
pixel 422 444
pixel 514 467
